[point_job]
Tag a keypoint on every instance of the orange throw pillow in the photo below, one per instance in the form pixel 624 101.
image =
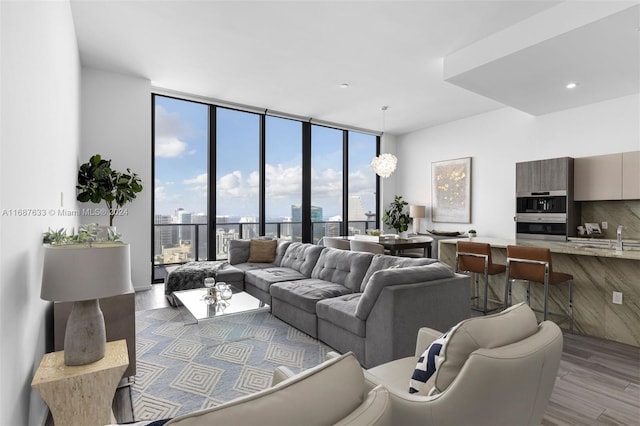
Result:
pixel 262 251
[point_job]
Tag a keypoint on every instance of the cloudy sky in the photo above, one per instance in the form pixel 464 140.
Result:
pixel 181 179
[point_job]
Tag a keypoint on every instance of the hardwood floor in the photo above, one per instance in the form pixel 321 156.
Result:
pixel 598 381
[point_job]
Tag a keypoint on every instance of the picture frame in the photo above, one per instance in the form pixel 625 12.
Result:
pixel 593 229
pixel 451 190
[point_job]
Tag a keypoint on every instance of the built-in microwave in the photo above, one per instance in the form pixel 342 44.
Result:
pixel 542 202
pixel 547 226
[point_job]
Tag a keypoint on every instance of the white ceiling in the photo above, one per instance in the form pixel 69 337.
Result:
pixel 291 56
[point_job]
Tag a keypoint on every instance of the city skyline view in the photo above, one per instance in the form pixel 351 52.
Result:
pixel 181 163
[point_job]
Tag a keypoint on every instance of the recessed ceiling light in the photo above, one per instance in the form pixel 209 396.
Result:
pixel 344 85
pixel 571 85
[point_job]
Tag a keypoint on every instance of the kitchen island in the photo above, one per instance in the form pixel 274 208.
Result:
pixel 597 270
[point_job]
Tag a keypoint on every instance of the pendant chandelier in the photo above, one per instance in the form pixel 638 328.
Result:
pixel 384 164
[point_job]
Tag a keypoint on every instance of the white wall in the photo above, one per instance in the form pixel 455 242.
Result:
pixel 40 99
pixel 496 141
pixel 116 123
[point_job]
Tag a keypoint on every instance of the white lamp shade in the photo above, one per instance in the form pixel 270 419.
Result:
pixel 416 212
pixel 79 272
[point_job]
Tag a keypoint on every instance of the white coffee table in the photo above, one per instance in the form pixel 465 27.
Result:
pixel 200 309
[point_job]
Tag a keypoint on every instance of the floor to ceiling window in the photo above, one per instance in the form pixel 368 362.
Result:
pixel 180 162
pixel 326 182
pixel 222 174
pixel 362 183
pixel 237 149
pixel 283 174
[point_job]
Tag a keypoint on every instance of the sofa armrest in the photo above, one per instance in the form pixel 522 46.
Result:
pixel 374 410
pixel 331 355
pixel 401 310
pixel 426 336
pixel 280 374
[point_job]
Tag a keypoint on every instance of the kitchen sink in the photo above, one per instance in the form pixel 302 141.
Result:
pixel 607 247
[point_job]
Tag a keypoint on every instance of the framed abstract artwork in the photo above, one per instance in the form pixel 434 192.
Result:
pixel 451 191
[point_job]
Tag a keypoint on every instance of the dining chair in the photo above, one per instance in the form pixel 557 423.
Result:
pixel 367 246
pixel 337 242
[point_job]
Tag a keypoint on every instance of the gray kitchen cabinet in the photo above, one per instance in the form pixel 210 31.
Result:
pixel 631 175
pixel 544 175
pixel 598 178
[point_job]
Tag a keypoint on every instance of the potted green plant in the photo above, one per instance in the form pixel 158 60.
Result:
pixel 97 182
pixel 87 235
pixel 395 216
pixel 472 233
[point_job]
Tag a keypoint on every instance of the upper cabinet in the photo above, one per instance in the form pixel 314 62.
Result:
pixel 631 175
pixel 607 177
pixel 544 175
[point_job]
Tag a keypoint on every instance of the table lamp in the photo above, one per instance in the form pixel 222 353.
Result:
pixel 417 213
pixel 83 274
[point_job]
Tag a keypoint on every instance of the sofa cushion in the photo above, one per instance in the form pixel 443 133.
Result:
pixel 397 276
pixel 304 294
pixel 238 251
pixel 382 261
pixel 509 326
pixel 263 278
pixel 301 399
pixel 262 251
pixel 342 267
pixel 252 266
pixel 281 250
pixel 341 311
pixel 302 257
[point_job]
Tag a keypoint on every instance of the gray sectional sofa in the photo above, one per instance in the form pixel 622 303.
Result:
pixel 370 304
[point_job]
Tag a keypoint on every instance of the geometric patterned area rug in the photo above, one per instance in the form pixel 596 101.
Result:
pixel 184 368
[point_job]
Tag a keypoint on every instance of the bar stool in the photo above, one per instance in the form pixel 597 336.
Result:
pixel 476 258
pixel 534 264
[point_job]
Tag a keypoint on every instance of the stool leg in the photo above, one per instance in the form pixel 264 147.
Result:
pixel 507 286
pixel 546 298
pixel 571 306
pixel 486 290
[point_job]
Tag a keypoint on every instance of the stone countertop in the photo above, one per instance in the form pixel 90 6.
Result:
pixel 578 246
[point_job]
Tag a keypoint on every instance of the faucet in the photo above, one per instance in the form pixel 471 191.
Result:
pixel 619 239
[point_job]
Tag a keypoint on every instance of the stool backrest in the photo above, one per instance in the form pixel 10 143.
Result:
pixel 472 263
pixel 528 271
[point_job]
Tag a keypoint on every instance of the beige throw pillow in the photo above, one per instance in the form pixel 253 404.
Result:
pixel 262 251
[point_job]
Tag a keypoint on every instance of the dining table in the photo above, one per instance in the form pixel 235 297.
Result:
pixel 397 245
pixel 394 245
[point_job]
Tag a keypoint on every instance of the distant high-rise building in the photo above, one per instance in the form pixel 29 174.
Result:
pixel 356 210
pixel 201 220
pixel 185 233
pixel 162 234
pixel 316 216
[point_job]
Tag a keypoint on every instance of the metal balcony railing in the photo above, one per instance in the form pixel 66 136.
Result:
pixel 178 243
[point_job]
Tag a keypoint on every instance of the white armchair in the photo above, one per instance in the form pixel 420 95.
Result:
pixel 332 393
pixel 500 379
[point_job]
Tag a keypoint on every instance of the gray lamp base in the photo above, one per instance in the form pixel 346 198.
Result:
pixel 85 338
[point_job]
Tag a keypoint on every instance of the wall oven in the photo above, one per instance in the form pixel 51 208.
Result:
pixel 542 215
pixel 546 226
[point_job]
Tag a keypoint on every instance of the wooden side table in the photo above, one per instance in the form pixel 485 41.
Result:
pixel 83 394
